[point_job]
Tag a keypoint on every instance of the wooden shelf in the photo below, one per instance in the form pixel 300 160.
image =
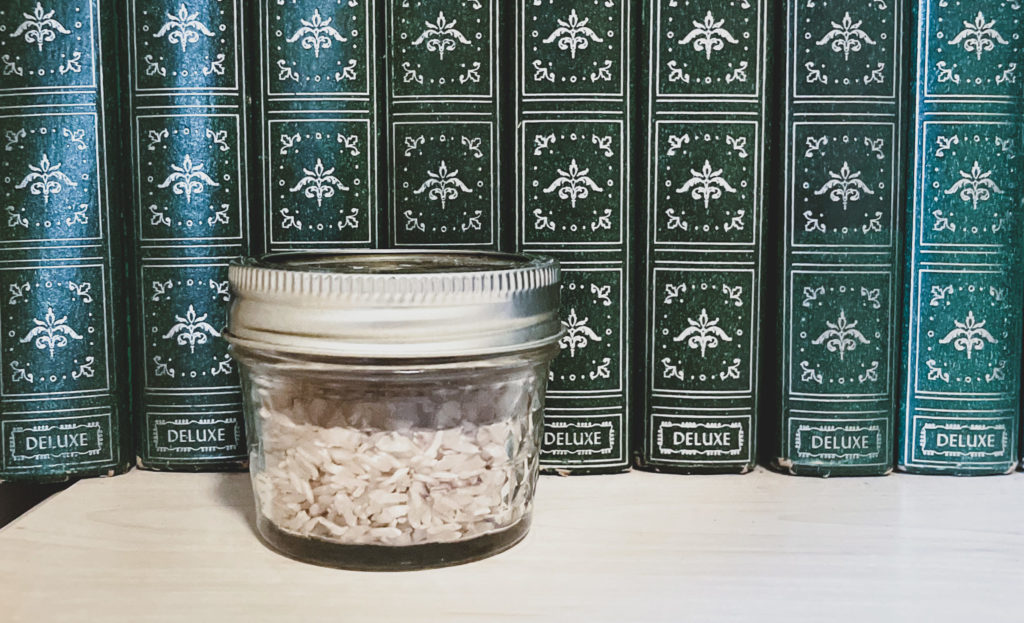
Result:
pixel 636 547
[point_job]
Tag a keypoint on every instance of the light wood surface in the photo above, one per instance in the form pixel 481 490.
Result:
pixel 631 548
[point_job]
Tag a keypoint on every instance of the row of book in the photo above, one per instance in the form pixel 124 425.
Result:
pixel 747 196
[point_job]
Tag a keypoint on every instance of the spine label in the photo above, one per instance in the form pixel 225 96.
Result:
pixel 38 442
pixel 949 440
pixel 593 438
pixel 701 438
pixel 823 439
pixel 211 436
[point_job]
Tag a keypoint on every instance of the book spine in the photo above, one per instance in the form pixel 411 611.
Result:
pixel 960 395
pixel 444 123
pixel 574 201
pixel 843 191
pixel 190 186
pixel 64 395
pixel 707 79
pixel 318 116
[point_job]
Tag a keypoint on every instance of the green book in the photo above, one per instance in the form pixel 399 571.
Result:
pixel 574 201
pixel 708 76
pixel 961 360
pixel 842 193
pixel 188 134
pixel 63 367
pixel 444 123
pixel 318 114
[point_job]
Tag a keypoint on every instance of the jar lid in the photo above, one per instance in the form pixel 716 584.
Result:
pixel 394 304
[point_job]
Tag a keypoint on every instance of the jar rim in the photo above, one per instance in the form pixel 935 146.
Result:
pixel 394 303
pixel 398 262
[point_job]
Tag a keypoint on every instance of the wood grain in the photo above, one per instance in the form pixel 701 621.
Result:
pixel 637 547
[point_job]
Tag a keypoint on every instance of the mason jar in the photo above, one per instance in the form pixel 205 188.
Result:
pixel 393 401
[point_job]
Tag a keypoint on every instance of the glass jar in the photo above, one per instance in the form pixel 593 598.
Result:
pixel 393 401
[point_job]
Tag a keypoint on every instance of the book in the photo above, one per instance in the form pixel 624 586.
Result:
pixel 843 190
pixel 575 198
pixel 190 181
pixel 708 78
pixel 318 114
pixel 64 395
pixel 960 393
pixel 444 123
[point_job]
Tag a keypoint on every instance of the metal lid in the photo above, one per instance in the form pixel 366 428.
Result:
pixel 394 304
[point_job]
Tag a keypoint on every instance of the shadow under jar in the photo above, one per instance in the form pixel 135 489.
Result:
pixel 393 401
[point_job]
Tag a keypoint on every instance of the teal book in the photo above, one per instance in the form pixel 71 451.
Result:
pixel 575 198
pixel 190 193
pixel 444 122
pixel 64 393
pixel 318 114
pixel 961 359
pixel 708 78
pixel 843 192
